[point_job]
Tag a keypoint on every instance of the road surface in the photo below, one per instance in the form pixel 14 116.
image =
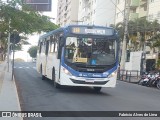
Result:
pixel 40 95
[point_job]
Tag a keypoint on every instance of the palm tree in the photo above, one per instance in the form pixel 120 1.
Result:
pixel 140 31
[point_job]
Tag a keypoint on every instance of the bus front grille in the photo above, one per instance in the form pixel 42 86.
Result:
pixel 85 82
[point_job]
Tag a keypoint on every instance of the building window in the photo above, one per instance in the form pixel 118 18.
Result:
pixel 152 1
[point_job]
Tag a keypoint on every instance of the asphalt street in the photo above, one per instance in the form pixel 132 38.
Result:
pixel 40 95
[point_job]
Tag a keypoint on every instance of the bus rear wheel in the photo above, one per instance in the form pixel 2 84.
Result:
pixel 97 89
pixel 56 85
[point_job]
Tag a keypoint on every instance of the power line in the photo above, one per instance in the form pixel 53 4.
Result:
pixel 117 7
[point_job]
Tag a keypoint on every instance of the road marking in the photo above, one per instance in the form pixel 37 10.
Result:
pixel 34 67
pixel 25 67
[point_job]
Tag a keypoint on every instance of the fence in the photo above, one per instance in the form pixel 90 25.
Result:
pixel 129 75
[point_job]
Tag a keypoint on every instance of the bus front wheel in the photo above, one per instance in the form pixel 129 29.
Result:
pixel 97 89
pixel 57 85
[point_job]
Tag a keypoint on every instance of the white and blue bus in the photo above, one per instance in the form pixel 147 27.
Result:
pixel 79 55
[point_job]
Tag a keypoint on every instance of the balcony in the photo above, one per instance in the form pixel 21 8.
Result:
pixel 143 3
pixel 133 16
pixel 134 3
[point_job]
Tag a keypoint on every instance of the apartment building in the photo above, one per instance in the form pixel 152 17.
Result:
pixel 96 12
pixel 67 12
pixel 138 9
pixel 154 10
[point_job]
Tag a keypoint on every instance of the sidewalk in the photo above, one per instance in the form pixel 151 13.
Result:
pixel 9 100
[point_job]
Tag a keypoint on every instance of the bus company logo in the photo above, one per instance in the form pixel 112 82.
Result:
pixel 90 74
pixel 6 114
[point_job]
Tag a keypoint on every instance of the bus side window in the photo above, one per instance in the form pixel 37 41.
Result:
pixel 51 44
pixel 55 44
pixel 47 47
pixel 43 47
pixel 40 47
pixel 60 45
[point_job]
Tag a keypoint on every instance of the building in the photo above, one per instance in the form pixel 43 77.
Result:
pixel 150 10
pixel 67 12
pixel 138 9
pixel 154 10
pixel 96 12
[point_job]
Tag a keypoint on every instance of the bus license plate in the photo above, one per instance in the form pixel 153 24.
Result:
pixel 90 81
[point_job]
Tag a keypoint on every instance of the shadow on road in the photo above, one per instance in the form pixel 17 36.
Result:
pixel 76 89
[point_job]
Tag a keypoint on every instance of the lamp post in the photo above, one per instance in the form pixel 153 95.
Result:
pixel 126 18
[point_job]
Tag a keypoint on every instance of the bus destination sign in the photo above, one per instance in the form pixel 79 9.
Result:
pixel 95 31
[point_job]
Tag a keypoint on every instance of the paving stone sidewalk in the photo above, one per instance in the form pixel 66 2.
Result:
pixel 9 100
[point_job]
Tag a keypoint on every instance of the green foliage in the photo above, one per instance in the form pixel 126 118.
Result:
pixel 33 51
pixel 140 31
pixel 24 20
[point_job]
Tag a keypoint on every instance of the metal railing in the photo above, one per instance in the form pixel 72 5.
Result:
pixel 128 75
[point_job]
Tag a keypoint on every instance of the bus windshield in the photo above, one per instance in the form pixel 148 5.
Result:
pixel 90 51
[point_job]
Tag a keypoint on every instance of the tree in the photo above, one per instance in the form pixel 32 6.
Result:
pixel 140 31
pixel 33 51
pixel 25 21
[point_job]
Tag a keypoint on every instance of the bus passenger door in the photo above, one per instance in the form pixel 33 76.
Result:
pixel 47 60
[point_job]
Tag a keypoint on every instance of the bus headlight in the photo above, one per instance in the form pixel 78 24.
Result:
pixel 113 74
pixel 66 71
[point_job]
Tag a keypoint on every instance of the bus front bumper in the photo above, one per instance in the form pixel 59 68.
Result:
pixel 85 81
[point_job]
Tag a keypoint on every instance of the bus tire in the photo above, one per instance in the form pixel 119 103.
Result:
pixel 97 89
pixel 57 85
pixel 53 74
pixel 42 76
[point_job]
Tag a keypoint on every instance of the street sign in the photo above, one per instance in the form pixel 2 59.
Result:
pixel 39 5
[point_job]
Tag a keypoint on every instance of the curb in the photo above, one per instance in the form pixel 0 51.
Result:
pixel 9 95
pixel 17 96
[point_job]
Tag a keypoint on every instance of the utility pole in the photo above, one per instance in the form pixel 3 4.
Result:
pixel 124 46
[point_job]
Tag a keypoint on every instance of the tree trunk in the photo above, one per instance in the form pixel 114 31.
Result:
pixel 1 57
